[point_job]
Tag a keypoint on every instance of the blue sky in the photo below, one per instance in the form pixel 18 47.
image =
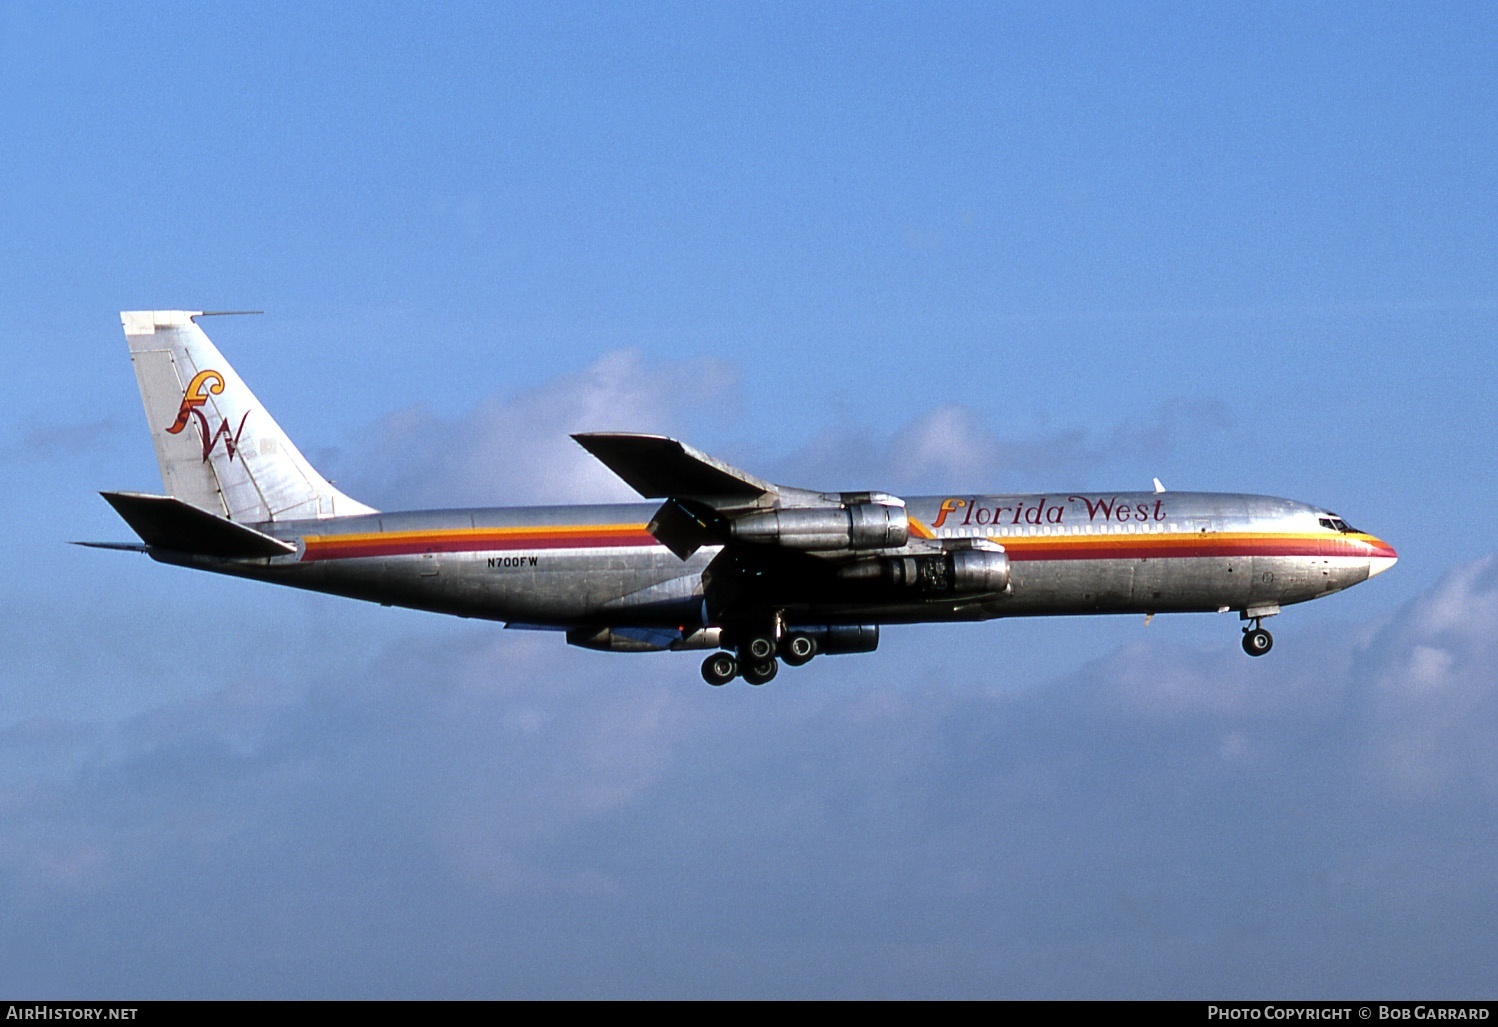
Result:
pixel 998 247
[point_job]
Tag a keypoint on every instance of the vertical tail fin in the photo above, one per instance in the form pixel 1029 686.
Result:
pixel 218 448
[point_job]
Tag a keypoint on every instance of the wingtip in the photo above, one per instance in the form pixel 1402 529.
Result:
pixel 580 435
pixel 128 547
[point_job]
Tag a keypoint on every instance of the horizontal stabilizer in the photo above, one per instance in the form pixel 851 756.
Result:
pixel 660 468
pixel 166 523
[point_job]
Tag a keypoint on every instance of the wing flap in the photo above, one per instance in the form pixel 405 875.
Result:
pixel 166 523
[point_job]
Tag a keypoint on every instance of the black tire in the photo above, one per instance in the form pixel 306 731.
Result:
pixel 1257 642
pixel 761 672
pixel 719 669
pixel 757 649
pixel 798 649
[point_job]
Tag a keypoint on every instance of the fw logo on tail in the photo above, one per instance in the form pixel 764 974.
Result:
pixel 204 384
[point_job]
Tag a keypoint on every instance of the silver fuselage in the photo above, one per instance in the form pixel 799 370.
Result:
pixel 1069 553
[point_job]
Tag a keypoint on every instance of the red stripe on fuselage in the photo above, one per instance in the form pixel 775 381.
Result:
pixel 1020 548
pixel 334 547
pixel 1192 547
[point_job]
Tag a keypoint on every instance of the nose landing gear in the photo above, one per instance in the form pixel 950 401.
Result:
pixel 1257 641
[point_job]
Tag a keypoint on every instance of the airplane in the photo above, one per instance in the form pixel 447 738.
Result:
pixel 718 559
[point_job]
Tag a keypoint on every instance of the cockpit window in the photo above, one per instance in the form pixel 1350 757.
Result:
pixel 1335 523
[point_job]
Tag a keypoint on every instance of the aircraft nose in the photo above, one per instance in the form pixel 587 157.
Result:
pixel 1382 558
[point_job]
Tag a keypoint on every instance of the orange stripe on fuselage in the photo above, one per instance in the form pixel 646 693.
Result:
pixel 1184 545
pixel 475 540
pixel 1106 546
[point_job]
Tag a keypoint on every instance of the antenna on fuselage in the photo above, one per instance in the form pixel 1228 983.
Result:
pixel 1158 486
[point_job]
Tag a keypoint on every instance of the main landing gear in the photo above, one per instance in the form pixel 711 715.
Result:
pixel 761 672
pixel 720 669
pixel 756 661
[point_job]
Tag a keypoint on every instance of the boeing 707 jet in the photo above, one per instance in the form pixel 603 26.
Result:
pixel 718 559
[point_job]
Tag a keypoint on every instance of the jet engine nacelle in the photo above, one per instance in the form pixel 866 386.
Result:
pixel 857 526
pixel 976 570
pixel 962 570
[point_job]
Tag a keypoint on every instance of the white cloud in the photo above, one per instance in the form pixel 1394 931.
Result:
pixel 517 450
pixel 953 446
pixel 1432 704
pixel 1464 607
pixel 511 450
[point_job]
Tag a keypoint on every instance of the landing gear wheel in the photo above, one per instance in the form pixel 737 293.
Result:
pixel 757 649
pixel 798 649
pixel 719 669
pixel 1257 641
pixel 761 672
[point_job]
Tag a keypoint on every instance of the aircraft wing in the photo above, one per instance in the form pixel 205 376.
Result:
pixel 708 501
pixel 660 468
